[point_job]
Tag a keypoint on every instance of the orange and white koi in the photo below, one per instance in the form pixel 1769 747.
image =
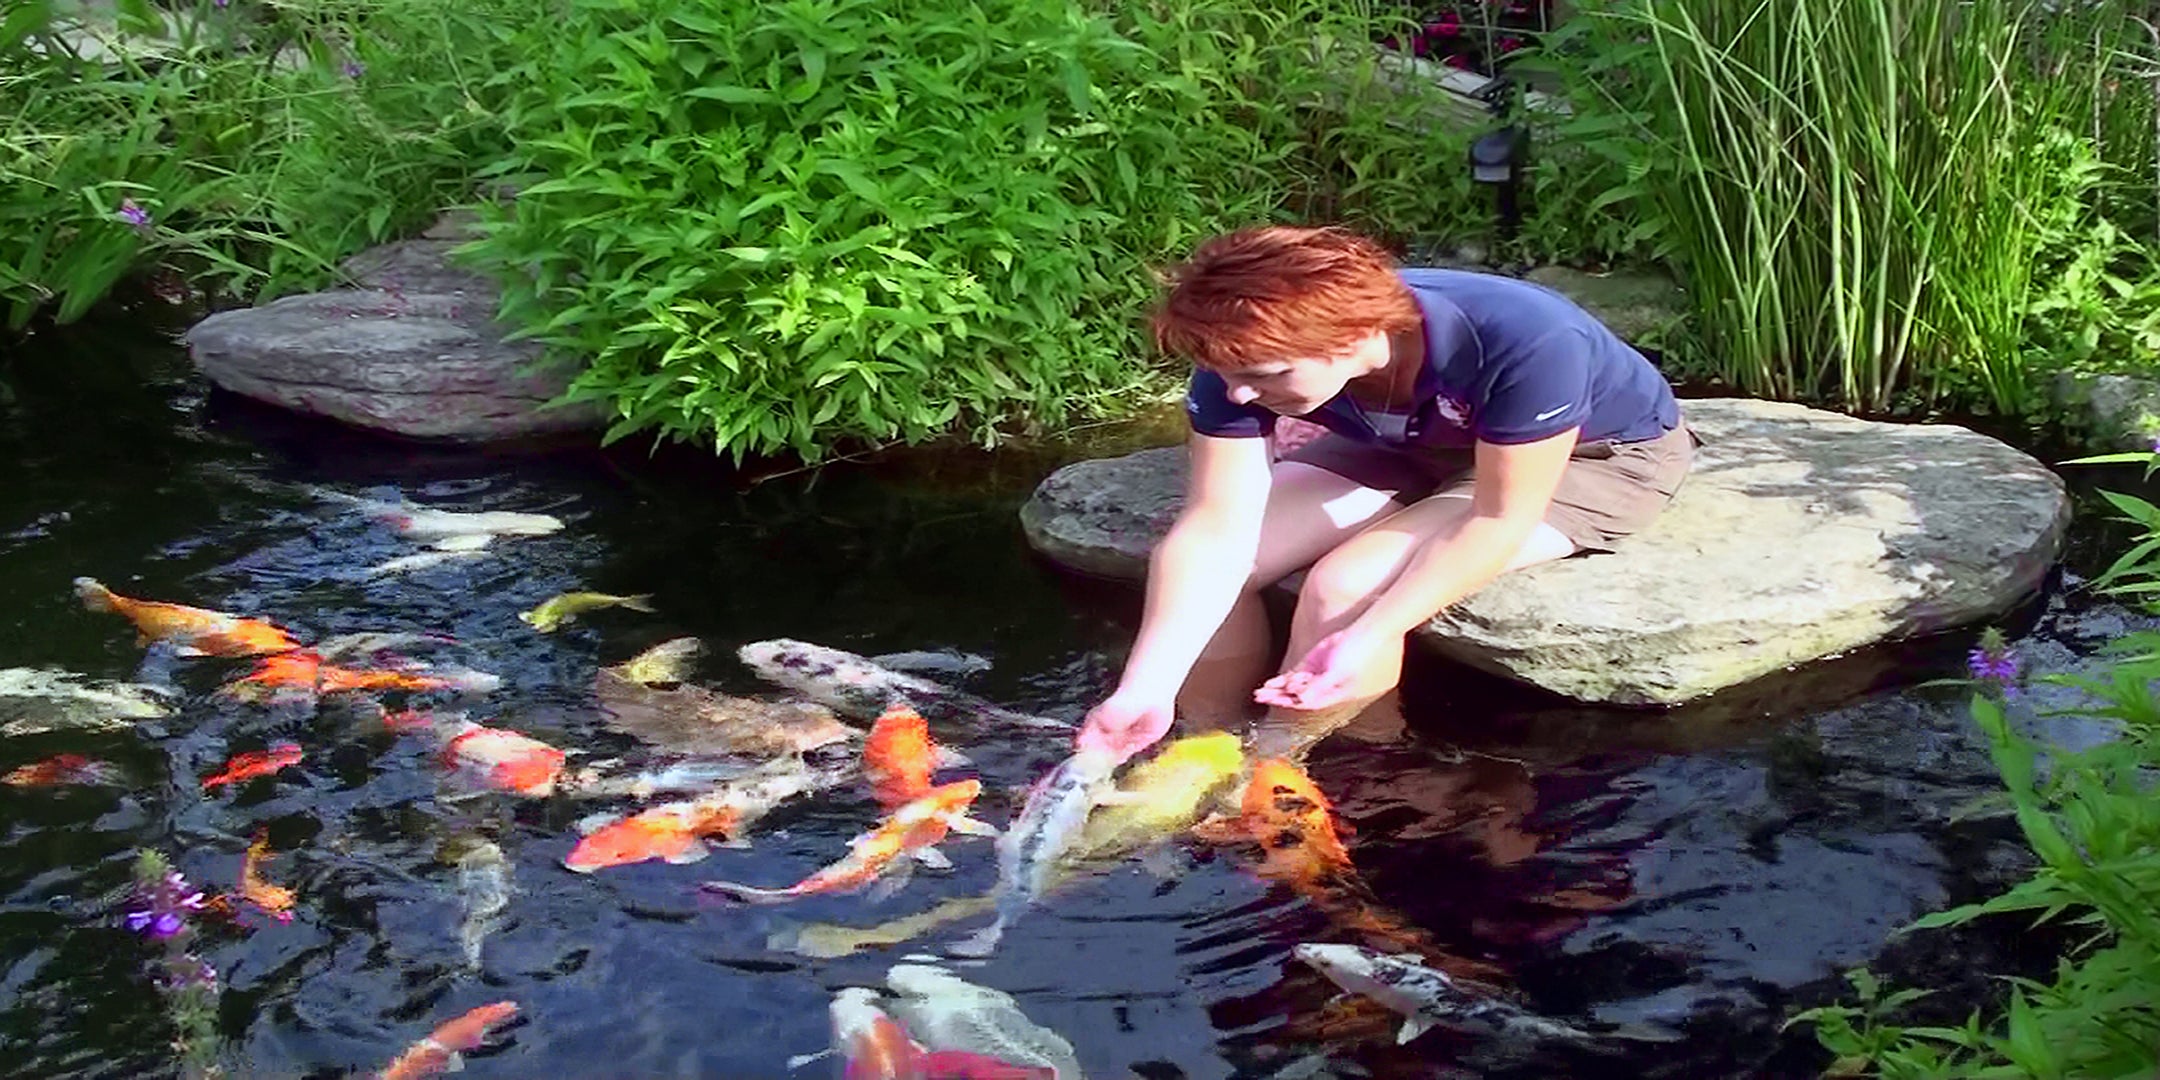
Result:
pixel 198 631
pixel 253 763
pixel 439 1052
pixel 275 900
pixel 59 769
pixel 304 670
pixel 873 1046
pixel 504 760
pixel 676 831
pixel 910 835
pixel 899 757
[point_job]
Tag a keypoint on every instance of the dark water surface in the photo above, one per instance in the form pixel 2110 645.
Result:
pixel 1547 849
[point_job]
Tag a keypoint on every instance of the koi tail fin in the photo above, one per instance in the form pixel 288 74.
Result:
pixel 640 602
pixel 95 595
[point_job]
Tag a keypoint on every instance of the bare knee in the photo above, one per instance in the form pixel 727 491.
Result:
pixel 1342 582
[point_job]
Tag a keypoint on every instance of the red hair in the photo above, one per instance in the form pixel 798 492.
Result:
pixel 1281 292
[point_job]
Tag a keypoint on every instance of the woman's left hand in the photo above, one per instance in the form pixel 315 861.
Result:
pixel 1326 676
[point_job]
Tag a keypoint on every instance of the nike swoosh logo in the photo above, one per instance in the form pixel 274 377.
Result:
pixel 1550 413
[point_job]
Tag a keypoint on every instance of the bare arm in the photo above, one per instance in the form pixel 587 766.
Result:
pixel 1202 563
pixel 1515 485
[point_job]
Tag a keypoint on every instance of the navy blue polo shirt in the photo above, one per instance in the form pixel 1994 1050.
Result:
pixel 1506 361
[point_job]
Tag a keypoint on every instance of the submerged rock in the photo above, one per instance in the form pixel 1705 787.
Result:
pixel 1800 534
pixel 413 351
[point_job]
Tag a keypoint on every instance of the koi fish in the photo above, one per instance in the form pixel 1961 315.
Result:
pixel 1161 796
pixel 946 1013
pixel 440 1051
pixel 691 719
pixel 483 889
pixel 1295 827
pixel 424 560
pixel 898 758
pixel 275 900
pixel 304 670
pixel 664 664
pixel 861 689
pixel 1157 798
pixel 37 701
pixel 885 853
pixel 674 778
pixel 1035 843
pixel 69 769
pixel 253 763
pixel 504 760
pixel 559 610
pixel 675 832
pixel 197 631
pixel 873 1046
pixel 1428 998
pixel 451 530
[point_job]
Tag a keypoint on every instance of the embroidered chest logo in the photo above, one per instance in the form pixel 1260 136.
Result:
pixel 1453 410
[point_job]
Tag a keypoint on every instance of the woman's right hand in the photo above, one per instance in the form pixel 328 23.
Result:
pixel 1125 725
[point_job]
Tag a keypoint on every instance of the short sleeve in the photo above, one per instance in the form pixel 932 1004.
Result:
pixel 1211 412
pixel 1538 392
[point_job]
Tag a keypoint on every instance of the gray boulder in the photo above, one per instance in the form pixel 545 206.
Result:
pixel 414 350
pixel 1800 534
pixel 2110 412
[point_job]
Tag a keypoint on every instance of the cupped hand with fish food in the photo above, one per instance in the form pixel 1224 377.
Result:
pixel 1125 724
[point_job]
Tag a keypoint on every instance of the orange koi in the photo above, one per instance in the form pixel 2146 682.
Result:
pixel 199 631
pixel 254 763
pixel 1294 823
pixel 898 758
pixel 304 670
pixel 59 769
pixel 671 832
pixel 505 760
pixel 274 900
pixel 438 1053
pixel 909 835
pixel 1295 826
pixel 408 720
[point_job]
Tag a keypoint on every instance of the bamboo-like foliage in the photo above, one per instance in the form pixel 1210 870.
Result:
pixel 1858 192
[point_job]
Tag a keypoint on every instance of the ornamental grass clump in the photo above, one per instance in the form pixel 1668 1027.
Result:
pixel 1866 199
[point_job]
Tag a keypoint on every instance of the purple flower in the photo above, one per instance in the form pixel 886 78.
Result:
pixel 354 69
pixel 134 215
pixel 1993 661
pixel 162 905
pixel 2156 444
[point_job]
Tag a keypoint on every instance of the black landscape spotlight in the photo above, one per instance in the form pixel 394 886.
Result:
pixel 1496 158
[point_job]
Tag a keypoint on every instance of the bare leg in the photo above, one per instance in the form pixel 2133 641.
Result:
pixel 1310 510
pixel 1344 582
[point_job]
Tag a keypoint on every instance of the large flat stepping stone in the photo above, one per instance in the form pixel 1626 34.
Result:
pixel 415 351
pixel 1799 535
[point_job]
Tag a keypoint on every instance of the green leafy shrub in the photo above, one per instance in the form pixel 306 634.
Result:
pixel 2093 819
pixel 244 147
pixel 782 227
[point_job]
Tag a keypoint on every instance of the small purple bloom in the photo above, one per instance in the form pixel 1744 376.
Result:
pixel 1993 661
pixel 167 925
pixel 2156 444
pixel 354 69
pixel 139 920
pixel 134 215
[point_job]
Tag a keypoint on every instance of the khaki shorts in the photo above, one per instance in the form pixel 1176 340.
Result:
pixel 1609 491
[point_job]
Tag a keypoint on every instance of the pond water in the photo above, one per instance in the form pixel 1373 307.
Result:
pixel 1578 850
